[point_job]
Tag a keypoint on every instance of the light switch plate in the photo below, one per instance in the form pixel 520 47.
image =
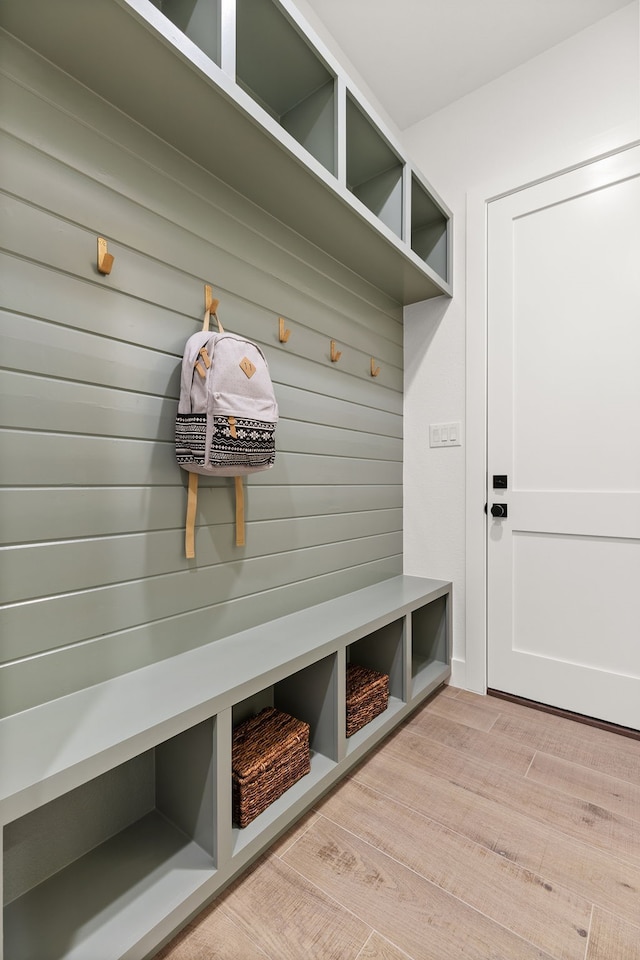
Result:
pixel 445 434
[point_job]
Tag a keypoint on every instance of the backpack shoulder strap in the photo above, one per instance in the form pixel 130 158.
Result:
pixel 190 525
pixel 192 494
pixel 210 311
pixel 239 512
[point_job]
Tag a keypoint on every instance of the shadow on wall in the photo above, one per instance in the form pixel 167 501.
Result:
pixel 429 315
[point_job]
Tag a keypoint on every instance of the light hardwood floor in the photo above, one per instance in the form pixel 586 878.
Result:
pixel 481 829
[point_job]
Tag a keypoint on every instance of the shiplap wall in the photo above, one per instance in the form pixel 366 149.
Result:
pixel 92 571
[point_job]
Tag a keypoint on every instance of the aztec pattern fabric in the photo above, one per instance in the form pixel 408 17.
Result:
pixel 250 445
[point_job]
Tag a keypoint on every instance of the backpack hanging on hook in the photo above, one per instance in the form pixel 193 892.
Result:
pixel 227 415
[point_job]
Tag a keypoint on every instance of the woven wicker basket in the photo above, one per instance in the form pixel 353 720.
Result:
pixel 270 752
pixel 367 696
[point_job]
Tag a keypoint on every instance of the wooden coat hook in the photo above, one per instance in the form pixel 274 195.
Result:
pixel 374 370
pixel 284 334
pixel 210 306
pixel 210 302
pixel 105 259
pixel 335 354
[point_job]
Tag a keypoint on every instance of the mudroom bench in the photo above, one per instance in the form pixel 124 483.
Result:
pixel 115 800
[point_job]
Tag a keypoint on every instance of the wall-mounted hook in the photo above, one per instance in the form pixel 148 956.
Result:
pixel 105 259
pixel 210 307
pixel 283 334
pixel 335 354
pixel 374 370
pixel 210 302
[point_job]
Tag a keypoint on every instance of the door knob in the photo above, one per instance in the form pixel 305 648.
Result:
pixel 499 510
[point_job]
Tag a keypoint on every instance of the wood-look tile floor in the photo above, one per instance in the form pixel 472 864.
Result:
pixel 481 829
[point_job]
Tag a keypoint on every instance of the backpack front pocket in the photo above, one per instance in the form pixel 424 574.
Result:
pixel 242 445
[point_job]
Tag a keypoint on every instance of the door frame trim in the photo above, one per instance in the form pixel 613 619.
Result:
pixel 476 526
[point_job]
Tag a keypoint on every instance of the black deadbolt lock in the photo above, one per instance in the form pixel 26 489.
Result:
pixel 500 481
pixel 499 510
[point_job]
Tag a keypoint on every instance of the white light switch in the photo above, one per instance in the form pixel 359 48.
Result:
pixel 445 434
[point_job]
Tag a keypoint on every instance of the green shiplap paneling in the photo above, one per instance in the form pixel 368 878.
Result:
pixel 55 621
pixel 67 406
pixel 54 350
pixel 43 569
pixel 35 458
pixel 26 682
pixel 30 514
pixel 62 352
pixel 64 406
pixel 298 404
pixel 92 507
pixel 29 232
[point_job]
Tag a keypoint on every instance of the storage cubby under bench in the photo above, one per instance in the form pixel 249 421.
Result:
pixel 115 801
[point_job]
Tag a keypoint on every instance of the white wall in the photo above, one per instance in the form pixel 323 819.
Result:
pixel 577 100
pixel 338 52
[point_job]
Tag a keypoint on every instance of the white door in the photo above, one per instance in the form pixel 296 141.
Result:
pixel 564 429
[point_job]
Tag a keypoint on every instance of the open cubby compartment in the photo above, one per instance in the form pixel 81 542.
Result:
pixel 89 873
pixel 430 654
pixel 309 694
pixel 429 230
pixel 382 650
pixel 199 20
pixel 374 169
pixel 280 70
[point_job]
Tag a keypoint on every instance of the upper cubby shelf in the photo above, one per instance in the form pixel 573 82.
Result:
pixel 200 22
pixel 374 169
pixel 248 91
pixel 281 71
pixel 429 228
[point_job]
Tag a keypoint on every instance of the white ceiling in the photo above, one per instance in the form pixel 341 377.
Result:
pixel 417 56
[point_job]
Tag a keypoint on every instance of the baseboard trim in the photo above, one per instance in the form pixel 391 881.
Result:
pixel 458 673
pixel 567 714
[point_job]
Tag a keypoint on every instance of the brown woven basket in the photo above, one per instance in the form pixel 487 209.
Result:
pixel 270 752
pixel 367 696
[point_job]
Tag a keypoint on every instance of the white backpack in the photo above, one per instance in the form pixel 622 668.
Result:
pixel 227 415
